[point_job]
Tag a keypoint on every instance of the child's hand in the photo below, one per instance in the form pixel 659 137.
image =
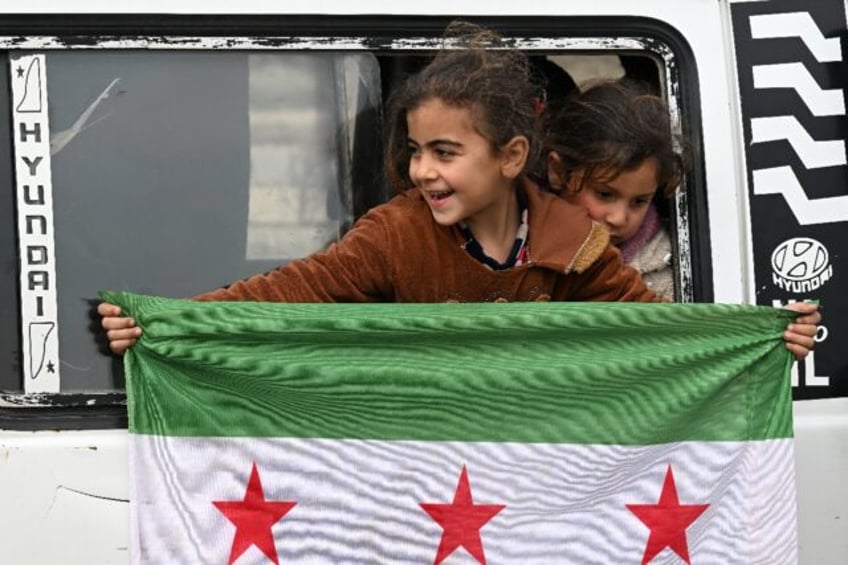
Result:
pixel 121 331
pixel 799 335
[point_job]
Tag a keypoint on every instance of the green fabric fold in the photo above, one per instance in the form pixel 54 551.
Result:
pixel 583 373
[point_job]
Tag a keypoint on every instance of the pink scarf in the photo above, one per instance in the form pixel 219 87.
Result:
pixel 650 226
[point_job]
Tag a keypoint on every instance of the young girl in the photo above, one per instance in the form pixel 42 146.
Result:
pixel 467 225
pixel 610 150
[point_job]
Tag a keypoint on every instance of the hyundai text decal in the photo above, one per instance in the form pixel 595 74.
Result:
pixel 801 265
pixel 792 86
pixel 33 184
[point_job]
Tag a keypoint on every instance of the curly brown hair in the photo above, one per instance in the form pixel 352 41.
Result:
pixel 475 68
pixel 614 126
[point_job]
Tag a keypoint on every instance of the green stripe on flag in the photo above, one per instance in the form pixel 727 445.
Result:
pixel 583 373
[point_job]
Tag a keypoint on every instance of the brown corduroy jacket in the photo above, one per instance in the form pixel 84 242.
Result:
pixel 398 253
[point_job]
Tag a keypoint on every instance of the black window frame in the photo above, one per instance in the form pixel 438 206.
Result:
pixel 373 33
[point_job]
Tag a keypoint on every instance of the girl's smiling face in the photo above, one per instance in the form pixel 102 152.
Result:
pixel 461 176
pixel 621 202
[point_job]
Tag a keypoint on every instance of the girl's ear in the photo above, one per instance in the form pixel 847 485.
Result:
pixel 514 156
pixel 554 167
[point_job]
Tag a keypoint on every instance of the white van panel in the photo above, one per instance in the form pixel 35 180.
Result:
pixel 821 468
pixel 64 497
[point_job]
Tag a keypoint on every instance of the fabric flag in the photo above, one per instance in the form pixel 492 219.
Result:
pixel 526 433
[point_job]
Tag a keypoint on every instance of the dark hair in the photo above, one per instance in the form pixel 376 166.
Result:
pixel 476 69
pixel 616 125
pixel 554 84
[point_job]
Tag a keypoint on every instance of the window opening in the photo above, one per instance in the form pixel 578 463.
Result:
pixel 238 154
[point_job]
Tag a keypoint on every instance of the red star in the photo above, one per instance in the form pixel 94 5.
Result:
pixel 253 518
pixel 668 520
pixel 461 521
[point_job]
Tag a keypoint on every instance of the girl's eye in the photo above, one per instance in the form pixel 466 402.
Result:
pixel 603 194
pixel 414 151
pixel 641 203
pixel 444 153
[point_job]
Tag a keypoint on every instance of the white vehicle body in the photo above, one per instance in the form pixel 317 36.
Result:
pixel 65 490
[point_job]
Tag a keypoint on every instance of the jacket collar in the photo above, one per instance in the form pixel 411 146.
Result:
pixel 562 236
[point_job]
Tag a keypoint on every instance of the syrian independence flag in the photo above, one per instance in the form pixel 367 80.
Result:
pixel 526 433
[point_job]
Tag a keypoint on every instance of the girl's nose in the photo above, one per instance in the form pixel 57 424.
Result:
pixel 616 216
pixel 421 168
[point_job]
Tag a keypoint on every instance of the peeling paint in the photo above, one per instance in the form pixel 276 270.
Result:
pixel 51 400
pixel 313 43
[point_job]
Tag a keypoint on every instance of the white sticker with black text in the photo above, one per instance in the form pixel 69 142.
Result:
pixel 34 196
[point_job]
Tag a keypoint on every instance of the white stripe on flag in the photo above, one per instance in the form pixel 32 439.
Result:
pixel 359 501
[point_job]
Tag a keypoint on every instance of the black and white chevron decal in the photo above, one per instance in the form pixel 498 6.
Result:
pixel 793 78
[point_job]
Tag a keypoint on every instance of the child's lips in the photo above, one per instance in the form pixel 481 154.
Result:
pixel 440 195
pixel 438 198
